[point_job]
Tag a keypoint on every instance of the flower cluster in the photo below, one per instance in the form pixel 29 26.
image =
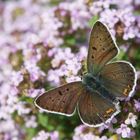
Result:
pixel 44 44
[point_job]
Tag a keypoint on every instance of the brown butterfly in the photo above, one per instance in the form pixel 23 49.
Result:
pixel 97 95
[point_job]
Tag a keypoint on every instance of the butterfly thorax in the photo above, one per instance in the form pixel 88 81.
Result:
pixel 91 82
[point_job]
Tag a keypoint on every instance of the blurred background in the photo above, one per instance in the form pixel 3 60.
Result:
pixel 43 44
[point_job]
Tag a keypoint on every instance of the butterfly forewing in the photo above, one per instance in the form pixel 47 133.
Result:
pixel 94 109
pixel 102 48
pixel 61 100
pixel 118 78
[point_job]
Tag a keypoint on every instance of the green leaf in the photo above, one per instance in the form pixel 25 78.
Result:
pixel 51 128
pixel 121 55
pixel 93 20
pixel 26 99
pixel 137 13
pixel 30 133
pixel 43 120
pixel 71 41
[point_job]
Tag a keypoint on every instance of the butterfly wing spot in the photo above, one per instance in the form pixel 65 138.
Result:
pixel 129 87
pixel 108 112
pixel 103 49
pixel 60 93
pixel 67 89
pixel 126 90
pixel 92 57
pixel 94 48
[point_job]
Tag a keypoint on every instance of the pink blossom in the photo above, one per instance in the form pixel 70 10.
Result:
pixel 137 105
pixel 131 119
pixel 124 131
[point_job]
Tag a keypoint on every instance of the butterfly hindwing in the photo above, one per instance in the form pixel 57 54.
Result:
pixel 102 48
pixel 94 109
pixel 61 100
pixel 118 78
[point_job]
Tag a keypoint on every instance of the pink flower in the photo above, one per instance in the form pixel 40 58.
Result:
pixel 54 135
pixel 16 78
pixel 137 105
pixel 42 135
pixel 124 131
pixel 30 121
pixel 131 120
pixel 35 92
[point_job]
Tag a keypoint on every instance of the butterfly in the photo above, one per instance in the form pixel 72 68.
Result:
pixel 97 95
